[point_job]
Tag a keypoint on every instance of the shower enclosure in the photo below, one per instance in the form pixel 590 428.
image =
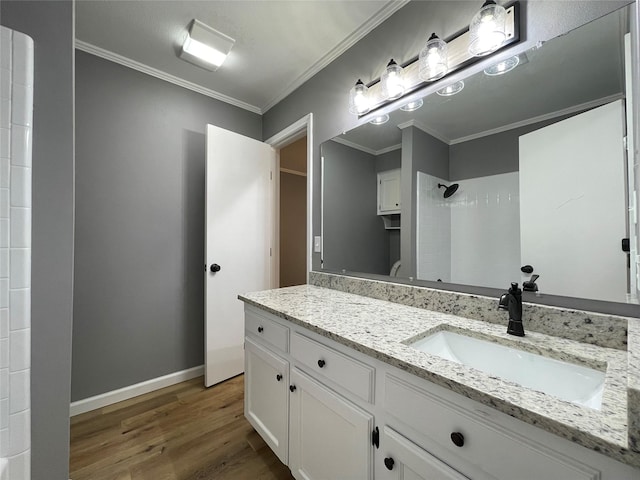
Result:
pixel 16 113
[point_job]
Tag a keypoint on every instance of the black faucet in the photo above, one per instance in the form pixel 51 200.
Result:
pixel 512 301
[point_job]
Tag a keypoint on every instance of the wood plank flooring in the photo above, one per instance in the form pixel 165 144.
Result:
pixel 182 432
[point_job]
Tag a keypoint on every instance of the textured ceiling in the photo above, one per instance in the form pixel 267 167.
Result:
pixel 279 44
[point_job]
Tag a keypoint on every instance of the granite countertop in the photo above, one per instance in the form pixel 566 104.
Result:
pixel 380 329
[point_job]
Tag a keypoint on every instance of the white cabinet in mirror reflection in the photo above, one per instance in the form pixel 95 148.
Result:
pixel 389 192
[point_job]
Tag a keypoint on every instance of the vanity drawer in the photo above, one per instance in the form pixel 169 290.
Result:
pixel 499 452
pixel 260 326
pixel 335 366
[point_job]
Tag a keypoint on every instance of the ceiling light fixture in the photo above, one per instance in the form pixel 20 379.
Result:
pixel 411 106
pixel 359 99
pixel 392 81
pixel 380 119
pixel 205 46
pixel 452 89
pixel 487 31
pixel 503 67
pixel 433 59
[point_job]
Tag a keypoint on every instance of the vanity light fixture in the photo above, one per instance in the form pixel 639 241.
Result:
pixel 487 31
pixel 503 67
pixel 359 99
pixel 452 89
pixel 380 119
pixel 411 106
pixel 392 81
pixel 433 59
pixel 205 46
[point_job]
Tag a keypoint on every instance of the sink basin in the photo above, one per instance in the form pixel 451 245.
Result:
pixel 567 381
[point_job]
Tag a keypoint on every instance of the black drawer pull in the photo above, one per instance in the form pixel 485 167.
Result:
pixel 292 388
pixel 260 329
pixel 458 439
pixel 389 462
pixel 321 363
pixel 278 377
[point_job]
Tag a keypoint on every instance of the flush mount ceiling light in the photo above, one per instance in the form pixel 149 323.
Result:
pixel 359 99
pixel 433 59
pixel 411 106
pixel 380 119
pixel 205 46
pixel 503 67
pixel 392 81
pixel 451 89
pixel 487 31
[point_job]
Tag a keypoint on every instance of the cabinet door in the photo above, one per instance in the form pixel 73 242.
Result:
pixel 266 399
pixel 401 459
pixel 330 438
pixel 389 192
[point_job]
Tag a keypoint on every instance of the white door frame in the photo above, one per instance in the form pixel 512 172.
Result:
pixel 290 134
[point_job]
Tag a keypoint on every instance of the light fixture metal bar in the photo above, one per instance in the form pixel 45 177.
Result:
pixel 458 55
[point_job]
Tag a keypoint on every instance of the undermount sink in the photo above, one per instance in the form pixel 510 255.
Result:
pixel 567 381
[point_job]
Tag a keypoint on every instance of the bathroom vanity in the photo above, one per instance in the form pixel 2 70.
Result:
pixel 335 387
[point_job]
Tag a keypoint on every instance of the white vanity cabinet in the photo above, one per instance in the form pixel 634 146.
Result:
pixel 266 381
pixel 320 416
pixel 389 192
pixel 330 437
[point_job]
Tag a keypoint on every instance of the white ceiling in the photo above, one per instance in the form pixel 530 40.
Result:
pixel 279 44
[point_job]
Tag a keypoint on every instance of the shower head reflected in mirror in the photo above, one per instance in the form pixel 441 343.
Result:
pixel 450 190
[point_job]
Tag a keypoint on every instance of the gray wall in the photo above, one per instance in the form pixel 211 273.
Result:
pixel 140 159
pixel 50 24
pixel 354 235
pixel 401 37
pixel 389 161
pixel 491 155
pixel 420 153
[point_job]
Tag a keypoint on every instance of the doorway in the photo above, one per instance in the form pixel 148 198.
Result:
pixel 292 214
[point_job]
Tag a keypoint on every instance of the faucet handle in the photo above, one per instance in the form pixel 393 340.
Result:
pixel 503 303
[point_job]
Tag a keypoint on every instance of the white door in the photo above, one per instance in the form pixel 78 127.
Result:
pixel 329 437
pixel 238 238
pixel 572 205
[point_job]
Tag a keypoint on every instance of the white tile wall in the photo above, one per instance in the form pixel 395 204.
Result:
pixel 483 215
pixel 16 117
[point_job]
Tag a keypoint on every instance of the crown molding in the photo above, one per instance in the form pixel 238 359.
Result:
pixel 141 67
pixel 425 129
pixel 541 118
pixel 364 149
pixel 385 12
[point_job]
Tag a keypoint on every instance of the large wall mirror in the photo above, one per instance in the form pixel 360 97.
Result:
pixel 522 167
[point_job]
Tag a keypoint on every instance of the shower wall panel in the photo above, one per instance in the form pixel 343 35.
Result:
pixel 16 113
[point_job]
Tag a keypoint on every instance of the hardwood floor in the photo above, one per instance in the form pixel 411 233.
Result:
pixel 182 432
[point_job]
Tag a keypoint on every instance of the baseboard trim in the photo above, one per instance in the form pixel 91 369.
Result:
pixel 115 396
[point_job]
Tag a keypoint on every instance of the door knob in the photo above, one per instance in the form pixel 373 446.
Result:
pixel 458 439
pixel 278 377
pixel 321 363
pixel 292 388
pixel 389 462
pixel 215 268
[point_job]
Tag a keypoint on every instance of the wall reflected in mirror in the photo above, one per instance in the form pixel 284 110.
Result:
pixel 524 165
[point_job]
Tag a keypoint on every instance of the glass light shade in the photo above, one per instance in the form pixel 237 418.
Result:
pixel 392 81
pixel 487 31
pixel 411 106
pixel 433 61
pixel 451 89
pixel 380 119
pixel 359 99
pixel 503 67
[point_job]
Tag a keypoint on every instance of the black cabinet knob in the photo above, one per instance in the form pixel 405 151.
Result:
pixel 389 462
pixel 278 377
pixel 260 329
pixel 292 388
pixel 458 439
pixel 215 268
pixel 321 363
